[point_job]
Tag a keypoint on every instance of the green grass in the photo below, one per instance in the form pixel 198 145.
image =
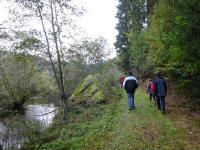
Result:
pixel 146 128
pixel 114 127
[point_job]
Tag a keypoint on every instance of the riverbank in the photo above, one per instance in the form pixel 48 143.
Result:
pixel 113 126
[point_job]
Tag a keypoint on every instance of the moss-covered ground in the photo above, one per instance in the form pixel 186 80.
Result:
pixel 113 127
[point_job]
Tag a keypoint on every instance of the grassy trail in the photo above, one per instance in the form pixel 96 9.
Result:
pixel 145 128
pixel 114 127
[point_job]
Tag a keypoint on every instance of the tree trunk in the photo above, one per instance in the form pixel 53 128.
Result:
pixel 59 78
pixel 48 46
pixel 62 92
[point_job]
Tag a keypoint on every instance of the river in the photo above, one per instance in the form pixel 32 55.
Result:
pixel 35 117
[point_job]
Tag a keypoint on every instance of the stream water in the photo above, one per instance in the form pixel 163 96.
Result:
pixel 14 130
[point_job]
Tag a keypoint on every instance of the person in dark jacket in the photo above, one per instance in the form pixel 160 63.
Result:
pixel 130 84
pixel 160 92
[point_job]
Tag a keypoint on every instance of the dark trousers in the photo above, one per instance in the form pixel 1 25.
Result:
pixel 152 96
pixel 131 101
pixel 161 103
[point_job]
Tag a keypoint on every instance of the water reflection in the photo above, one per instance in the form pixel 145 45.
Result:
pixel 12 133
pixel 39 113
pixel 10 136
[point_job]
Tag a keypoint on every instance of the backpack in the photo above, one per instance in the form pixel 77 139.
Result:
pixel 153 87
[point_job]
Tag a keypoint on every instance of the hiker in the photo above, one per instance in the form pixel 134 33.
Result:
pixel 151 89
pixel 160 92
pixel 121 80
pixel 130 84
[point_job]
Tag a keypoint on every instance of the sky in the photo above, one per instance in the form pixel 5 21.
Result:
pixel 99 19
pixel 4 12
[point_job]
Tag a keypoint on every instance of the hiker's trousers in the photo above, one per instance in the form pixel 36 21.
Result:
pixel 131 103
pixel 161 103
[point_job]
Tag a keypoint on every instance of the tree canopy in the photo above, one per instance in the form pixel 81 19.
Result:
pixel 161 36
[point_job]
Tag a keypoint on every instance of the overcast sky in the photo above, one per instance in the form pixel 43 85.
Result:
pixel 4 13
pixel 99 19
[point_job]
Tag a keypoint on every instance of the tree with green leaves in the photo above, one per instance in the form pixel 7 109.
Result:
pixel 18 72
pixel 85 58
pixel 174 41
pixel 18 78
pixel 170 41
pixel 122 37
pixel 131 15
pixel 54 16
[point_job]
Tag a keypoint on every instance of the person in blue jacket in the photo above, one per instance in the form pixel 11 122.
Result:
pixel 130 84
pixel 160 92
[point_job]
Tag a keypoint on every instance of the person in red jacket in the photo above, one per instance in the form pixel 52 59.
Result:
pixel 151 90
pixel 121 80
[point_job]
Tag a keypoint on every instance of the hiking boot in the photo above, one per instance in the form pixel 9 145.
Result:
pixel 130 108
